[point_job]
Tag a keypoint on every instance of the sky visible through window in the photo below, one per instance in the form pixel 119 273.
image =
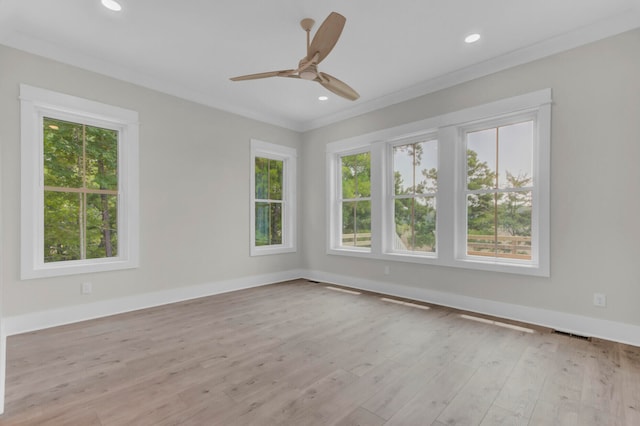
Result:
pixel 403 163
pixel 514 149
pixel 514 154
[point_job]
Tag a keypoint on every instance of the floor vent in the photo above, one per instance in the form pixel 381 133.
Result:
pixel 575 336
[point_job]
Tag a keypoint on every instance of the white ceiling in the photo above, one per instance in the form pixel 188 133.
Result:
pixel 389 51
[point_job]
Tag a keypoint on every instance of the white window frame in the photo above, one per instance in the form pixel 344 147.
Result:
pixel 36 103
pixel 461 193
pixel 335 215
pixel 448 129
pixel 390 196
pixel 289 158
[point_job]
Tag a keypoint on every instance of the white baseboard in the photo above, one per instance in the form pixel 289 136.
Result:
pixel 571 323
pixel 3 365
pixel 61 316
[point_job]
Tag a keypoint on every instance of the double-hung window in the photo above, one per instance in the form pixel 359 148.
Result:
pixel 273 169
pixel 415 184
pixel 467 189
pixel 355 200
pixel 499 189
pixel 79 185
pixel 80 168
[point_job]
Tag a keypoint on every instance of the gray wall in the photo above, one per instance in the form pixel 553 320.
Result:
pixel 595 177
pixel 194 190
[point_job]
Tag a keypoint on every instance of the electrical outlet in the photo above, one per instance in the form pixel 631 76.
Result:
pixel 600 300
pixel 387 270
pixel 86 288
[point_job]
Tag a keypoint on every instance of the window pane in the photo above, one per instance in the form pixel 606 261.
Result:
pixel 514 225
pixel 275 215
pixel 268 224
pixel 348 223
pixel 515 155
pixel 481 221
pixel 275 179
pixel 102 224
pixel 415 222
pixel 499 225
pixel 262 224
pixel 62 152
pixel 356 175
pixel 425 224
pixel 262 178
pixel 403 168
pixel 356 224
pixel 363 174
pixel 481 159
pixel 426 166
pixel 62 224
pixel 348 177
pixel 363 223
pixel 101 158
pixel 403 212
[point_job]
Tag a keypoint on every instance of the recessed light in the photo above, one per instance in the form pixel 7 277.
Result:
pixel 472 38
pixel 112 5
pixel 323 98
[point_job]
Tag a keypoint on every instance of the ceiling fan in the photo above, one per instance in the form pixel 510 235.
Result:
pixel 324 40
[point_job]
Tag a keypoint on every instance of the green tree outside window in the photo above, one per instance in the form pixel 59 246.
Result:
pixel 269 183
pixel 356 200
pixel 415 186
pixel 80 165
pixel 499 191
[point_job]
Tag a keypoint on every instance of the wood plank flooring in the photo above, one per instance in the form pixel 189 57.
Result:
pixel 299 353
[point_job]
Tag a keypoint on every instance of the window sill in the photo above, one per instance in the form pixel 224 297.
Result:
pixel 75 267
pixel 498 265
pixel 355 252
pixel 267 250
pixel 488 265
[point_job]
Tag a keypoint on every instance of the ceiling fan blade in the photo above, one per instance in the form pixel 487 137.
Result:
pixel 336 86
pixel 327 36
pixel 283 73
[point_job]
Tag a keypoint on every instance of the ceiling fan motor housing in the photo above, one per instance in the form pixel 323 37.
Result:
pixel 309 73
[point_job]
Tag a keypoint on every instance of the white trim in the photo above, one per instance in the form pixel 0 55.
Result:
pixel 513 104
pixel 72 314
pixel 577 324
pixel 3 337
pixel 35 103
pixel 539 263
pixel 600 30
pixel 572 323
pixel 289 158
pixel 451 216
pixel 607 28
pixel 334 214
pixel 389 196
pixel 3 363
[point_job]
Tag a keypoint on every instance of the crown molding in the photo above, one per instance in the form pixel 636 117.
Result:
pixel 606 28
pixel 570 40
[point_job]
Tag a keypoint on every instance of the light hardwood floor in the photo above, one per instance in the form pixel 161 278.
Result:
pixel 299 353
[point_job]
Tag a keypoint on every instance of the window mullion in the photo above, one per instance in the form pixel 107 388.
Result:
pixel 450 222
pixel 500 191
pixel 378 166
pixel 82 224
pixel 83 197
